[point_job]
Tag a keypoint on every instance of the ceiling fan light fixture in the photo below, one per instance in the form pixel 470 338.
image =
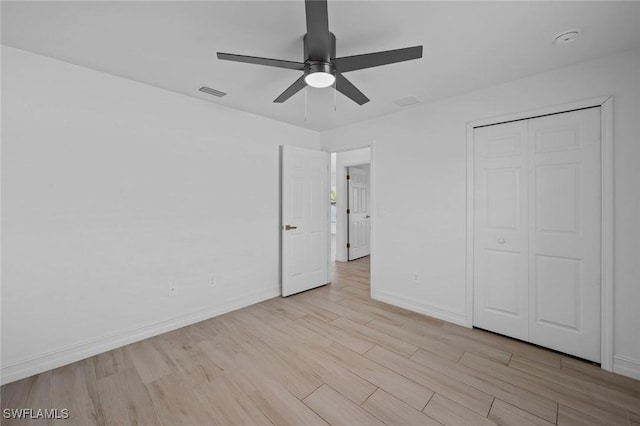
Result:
pixel 319 74
pixel 320 79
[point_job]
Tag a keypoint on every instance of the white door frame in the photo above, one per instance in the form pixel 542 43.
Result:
pixel 606 116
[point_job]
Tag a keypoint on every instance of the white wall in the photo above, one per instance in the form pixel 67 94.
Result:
pixel 112 191
pixel 420 189
pixel 345 159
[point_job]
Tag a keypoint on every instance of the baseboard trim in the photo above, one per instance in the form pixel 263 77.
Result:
pixel 626 366
pixel 76 352
pixel 421 308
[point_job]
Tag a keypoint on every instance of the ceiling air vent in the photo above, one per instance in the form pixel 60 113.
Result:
pixel 405 102
pixel 212 92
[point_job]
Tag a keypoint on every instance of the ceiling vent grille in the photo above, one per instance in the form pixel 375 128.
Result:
pixel 405 102
pixel 212 92
pixel 408 101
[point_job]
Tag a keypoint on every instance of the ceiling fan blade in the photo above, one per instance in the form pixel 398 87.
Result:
pixel 368 60
pixel 318 39
pixel 347 88
pixel 298 85
pixel 279 63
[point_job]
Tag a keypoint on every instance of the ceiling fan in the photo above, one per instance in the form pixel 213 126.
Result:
pixel 321 67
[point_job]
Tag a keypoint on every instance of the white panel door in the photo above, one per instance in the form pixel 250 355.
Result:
pixel 359 217
pixel 305 219
pixel 500 226
pixel 564 245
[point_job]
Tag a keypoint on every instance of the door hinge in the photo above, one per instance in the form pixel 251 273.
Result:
pixel 348 211
pixel 348 245
pixel 348 177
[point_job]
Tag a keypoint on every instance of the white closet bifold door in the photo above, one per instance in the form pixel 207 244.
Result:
pixel 537 225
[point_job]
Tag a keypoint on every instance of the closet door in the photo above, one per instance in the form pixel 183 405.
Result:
pixel 501 226
pixel 564 232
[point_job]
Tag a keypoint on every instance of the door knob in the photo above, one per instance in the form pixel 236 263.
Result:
pixel 289 227
pixel 367 217
pixel 501 241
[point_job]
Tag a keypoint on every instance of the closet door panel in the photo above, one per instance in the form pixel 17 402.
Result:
pixel 500 224
pixel 564 232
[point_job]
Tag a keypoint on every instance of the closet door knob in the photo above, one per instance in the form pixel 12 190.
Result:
pixel 501 241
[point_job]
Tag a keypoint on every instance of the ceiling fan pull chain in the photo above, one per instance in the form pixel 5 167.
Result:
pixel 305 104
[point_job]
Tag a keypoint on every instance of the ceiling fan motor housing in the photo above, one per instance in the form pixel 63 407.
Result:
pixel 311 67
pixel 332 52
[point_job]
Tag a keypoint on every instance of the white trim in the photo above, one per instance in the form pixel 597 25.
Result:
pixel 606 242
pixel 372 208
pixel 585 103
pixel 78 351
pixel 606 114
pixel 626 366
pixel 422 308
pixel 470 240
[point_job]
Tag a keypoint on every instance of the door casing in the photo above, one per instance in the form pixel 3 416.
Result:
pixel 606 117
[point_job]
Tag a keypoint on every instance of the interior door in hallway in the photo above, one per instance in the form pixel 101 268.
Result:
pixel 358 213
pixel 305 219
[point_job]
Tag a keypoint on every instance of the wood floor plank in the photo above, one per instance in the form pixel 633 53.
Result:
pixel 439 334
pixel 282 408
pixel 198 369
pixel 615 397
pixel 567 416
pixel 450 413
pixel 505 414
pixel 440 383
pixel 176 344
pixel 375 336
pixel 392 411
pixel 370 308
pixel 336 410
pixel 284 307
pixel 419 340
pixel 587 371
pixel 265 321
pixel 310 310
pixel 477 378
pixel 32 392
pixel 69 390
pixel 406 390
pixel 227 404
pixel 505 344
pixel 320 365
pixel 260 360
pixel 175 402
pixel 149 362
pixel 336 334
pixel 124 400
pixel 591 405
pixel 111 362
pixel 339 310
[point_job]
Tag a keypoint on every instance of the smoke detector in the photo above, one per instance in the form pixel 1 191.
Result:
pixel 566 37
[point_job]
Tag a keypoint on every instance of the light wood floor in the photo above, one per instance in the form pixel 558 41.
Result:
pixel 330 355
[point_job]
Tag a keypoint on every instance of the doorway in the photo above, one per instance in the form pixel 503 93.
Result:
pixel 360 162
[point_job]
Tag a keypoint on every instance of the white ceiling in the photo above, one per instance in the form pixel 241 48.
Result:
pixel 173 45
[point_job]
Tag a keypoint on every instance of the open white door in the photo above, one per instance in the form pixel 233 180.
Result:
pixel 305 219
pixel 358 213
